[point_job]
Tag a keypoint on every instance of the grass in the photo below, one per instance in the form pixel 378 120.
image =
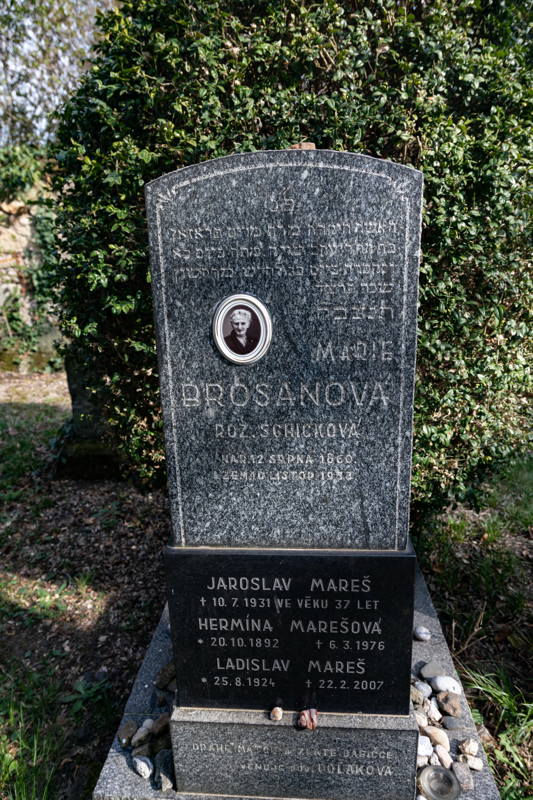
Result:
pixel 37 715
pixel 26 430
pixel 38 718
pixel 30 739
pixel 475 561
pixel 510 717
pixel 40 721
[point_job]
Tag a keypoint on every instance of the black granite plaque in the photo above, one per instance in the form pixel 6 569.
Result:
pixel 310 444
pixel 301 629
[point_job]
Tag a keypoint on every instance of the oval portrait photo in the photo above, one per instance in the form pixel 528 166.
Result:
pixel 242 329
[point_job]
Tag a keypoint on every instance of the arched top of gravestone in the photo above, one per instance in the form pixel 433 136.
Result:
pixel 400 178
pixel 298 434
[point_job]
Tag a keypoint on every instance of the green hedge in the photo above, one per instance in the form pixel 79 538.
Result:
pixel 441 85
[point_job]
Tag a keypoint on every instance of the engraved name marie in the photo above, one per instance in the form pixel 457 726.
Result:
pixel 366 396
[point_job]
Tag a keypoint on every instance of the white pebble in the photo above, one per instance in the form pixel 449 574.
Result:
pixel 434 760
pixel 421 719
pixel 469 747
pixel 276 714
pixel 143 767
pixel 443 756
pixel 425 748
pixel 472 762
pixel 422 634
pixel 433 711
pixel 140 737
pixel 443 683
pixel 424 688
pixel 421 761
pixel 148 723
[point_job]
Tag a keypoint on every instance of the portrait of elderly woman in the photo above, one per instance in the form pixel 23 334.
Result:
pixel 243 329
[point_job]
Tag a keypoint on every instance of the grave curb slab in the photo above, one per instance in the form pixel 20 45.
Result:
pixel 118 781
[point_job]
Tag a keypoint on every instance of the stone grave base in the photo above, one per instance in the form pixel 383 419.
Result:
pixel 244 753
pixel 118 781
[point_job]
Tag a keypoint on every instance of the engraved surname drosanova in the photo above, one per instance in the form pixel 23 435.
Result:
pixel 285 394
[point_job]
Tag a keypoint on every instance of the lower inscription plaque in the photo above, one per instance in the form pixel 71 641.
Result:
pixel 245 755
pixel 299 629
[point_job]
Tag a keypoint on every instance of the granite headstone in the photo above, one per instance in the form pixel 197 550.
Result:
pixel 285 290
pixel 301 437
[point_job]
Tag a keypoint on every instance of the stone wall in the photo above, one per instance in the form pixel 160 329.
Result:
pixel 15 238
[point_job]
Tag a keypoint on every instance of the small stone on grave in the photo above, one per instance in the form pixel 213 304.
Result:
pixel 143 767
pixel 444 683
pixel 437 736
pixel 421 719
pixel 143 750
pixel 141 736
pixel 450 703
pixel 417 697
pixel 126 731
pixel 422 634
pixel 469 747
pixel 425 748
pixel 453 723
pixel 443 756
pixel 433 711
pixel 160 725
pixel 463 775
pixel 431 670
pixel 473 762
pixel 424 688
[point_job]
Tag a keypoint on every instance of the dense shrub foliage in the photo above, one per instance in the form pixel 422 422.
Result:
pixel 21 169
pixel 439 85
